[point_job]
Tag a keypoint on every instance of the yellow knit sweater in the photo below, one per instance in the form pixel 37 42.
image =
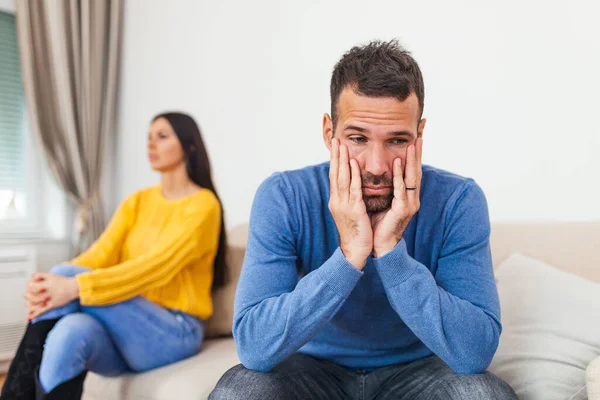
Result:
pixel 160 249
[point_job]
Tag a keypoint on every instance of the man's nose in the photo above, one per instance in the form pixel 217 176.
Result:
pixel 376 161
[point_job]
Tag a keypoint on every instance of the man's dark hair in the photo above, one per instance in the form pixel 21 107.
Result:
pixel 378 69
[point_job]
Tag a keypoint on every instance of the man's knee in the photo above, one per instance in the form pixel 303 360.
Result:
pixel 471 387
pixel 241 383
pixel 68 270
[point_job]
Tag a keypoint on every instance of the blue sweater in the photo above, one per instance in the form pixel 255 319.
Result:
pixel 433 293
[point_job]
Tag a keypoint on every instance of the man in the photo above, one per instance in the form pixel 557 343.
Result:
pixel 369 276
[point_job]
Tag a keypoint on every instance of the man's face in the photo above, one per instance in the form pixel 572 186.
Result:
pixel 376 130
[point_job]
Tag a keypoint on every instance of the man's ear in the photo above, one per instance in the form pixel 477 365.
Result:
pixel 327 131
pixel 421 127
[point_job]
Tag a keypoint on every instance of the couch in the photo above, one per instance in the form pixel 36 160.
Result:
pixel 571 247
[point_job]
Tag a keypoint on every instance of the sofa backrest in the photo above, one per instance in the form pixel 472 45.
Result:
pixel 571 246
pixel 220 323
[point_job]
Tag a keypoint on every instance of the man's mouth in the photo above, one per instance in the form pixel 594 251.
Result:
pixel 376 190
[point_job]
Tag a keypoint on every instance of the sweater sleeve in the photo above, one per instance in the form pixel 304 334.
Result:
pixel 193 237
pixel 275 313
pixel 106 250
pixel 455 313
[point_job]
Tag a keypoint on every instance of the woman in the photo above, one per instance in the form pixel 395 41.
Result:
pixel 137 298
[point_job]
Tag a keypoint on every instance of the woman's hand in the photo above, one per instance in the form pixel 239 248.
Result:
pixel 48 291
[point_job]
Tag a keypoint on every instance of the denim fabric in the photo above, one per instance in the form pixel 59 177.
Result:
pixel 135 335
pixel 304 377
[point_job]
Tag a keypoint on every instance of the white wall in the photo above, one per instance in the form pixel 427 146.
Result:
pixel 511 91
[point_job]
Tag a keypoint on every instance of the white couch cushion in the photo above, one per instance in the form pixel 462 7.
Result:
pixel 550 329
pixel 191 379
pixel 593 379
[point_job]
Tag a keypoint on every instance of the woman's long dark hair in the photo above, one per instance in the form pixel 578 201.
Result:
pixel 198 169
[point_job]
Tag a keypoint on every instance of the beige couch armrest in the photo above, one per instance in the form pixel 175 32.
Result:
pixel 592 378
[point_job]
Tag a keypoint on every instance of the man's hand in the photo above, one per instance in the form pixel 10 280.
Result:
pixel 348 208
pixel 389 226
pixel 48 291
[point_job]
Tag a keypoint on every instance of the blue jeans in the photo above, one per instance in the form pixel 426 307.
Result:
pixel 133 336
pixel 304 377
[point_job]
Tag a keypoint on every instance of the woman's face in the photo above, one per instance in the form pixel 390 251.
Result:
pixel 164 149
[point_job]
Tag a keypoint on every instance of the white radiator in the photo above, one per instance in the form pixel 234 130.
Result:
pixel 17 263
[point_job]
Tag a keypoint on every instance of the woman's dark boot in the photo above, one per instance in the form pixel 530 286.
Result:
pixel 20 380
pixel 69 390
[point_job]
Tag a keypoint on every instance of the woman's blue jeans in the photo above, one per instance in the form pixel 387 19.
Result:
pixel 133 336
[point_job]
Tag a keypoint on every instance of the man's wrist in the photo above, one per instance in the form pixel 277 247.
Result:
pixel 384 248
pixel 357 262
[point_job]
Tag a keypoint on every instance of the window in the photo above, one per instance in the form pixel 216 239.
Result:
pixel 31 204
pixel 13 190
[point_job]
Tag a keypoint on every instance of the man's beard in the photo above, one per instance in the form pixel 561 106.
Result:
pixel 376 204
pixel 379 203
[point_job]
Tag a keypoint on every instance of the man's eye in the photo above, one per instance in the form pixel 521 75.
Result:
pixel 399 142
pixel 358 139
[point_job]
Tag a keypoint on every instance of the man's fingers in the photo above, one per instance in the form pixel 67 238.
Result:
pixel 412 174
pixel 419 145
pixel 416 173
pixel 334 165
pixel 399 188
pixel 410 170
pixel 356 182
pixel 344 173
